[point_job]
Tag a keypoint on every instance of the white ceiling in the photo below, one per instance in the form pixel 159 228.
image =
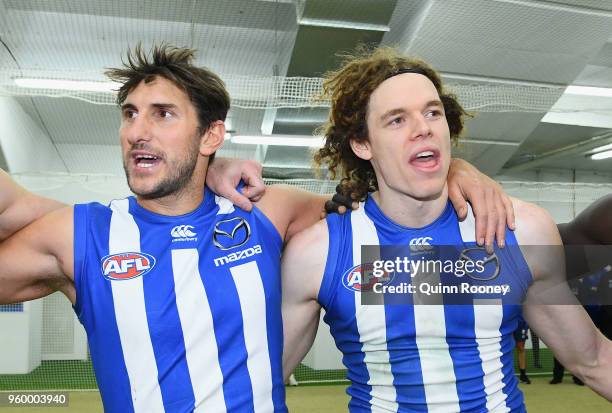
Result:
pixel 513 43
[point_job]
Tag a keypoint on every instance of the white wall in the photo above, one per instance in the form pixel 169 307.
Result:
pixel 25 146
pixel 562 192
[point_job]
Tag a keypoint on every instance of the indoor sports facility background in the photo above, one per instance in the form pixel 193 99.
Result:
pixel 537 75
pixel 45 335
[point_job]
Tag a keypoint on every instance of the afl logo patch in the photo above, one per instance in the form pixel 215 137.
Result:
pixel 127 265
pixel 355 279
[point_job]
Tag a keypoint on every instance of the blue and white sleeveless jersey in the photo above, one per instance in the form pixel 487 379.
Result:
pixel 421 358
pixel 182 313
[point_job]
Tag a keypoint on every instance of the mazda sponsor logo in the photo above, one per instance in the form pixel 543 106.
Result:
pixel 231 233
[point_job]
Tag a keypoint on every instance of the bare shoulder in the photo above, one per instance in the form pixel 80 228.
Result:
pixel 311 243
pixel 534 225
pixel 274 205
pixel 273 195
pixel 304 260
pixel 291 209
pixel 540 242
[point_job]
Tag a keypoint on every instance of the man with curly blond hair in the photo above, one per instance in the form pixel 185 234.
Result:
pixel 441 339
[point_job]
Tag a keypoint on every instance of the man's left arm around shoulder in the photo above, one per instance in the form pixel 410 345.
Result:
pixel 296 209
pixel 552 310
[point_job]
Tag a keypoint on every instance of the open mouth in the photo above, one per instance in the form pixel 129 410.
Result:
pixel 145 160
pixel 427 159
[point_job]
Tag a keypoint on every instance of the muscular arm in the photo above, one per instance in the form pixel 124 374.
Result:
pixel 18 207
pixel 591 226
pixel 38 260
pixel 551 309
pixel 290 209
pixel 588 238
pixel 302 270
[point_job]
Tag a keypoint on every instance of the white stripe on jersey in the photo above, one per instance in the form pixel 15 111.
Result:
pixel 225 205
pixel 439 381
pixel 253 305
pixel 197 323
pixel 371 324
pixel 128 299
pixel 488 319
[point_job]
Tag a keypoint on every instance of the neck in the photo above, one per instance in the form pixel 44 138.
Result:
pixel 409 211
pixel 181 202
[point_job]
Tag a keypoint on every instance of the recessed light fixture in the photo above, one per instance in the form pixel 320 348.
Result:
pixel 342 24
pixel 63 84
pixel 589 91
pixel 601 155
pixel 279 140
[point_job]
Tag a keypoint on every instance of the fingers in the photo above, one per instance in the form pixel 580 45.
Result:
pixel 332 207
pixel 342 200
pixel 458 201
pixel 254 187
pixel 492 218
pixel 509 208
pixel 240 200
pixel 479 206
pixel 500 231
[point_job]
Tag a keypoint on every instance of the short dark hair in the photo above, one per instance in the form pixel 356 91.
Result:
pixel 205 89
pixel 349 89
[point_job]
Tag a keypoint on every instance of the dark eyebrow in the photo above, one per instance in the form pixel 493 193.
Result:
pixel 164 105
pixel 127 106
pixel 154 105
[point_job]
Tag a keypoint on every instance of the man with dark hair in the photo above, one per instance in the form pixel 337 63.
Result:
pixel 390 130
pixel 588 239
pixel 179 291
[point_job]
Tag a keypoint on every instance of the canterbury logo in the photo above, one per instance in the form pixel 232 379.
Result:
pixel 421 241
pixel 420 244
pixel 183 231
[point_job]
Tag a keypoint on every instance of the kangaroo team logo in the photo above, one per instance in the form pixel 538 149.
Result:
pixel 356 279
pixel 127 265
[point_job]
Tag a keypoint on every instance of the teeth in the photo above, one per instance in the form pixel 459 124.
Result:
pixel 424 154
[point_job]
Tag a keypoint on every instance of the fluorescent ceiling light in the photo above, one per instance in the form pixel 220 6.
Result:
pixel 602 148
pixel 589 91
pixel 279 140
pixel 62 84
pixel 601 155
pixel 341 24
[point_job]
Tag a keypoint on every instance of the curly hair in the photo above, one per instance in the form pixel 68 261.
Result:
pixel 349 89
pixel 205 89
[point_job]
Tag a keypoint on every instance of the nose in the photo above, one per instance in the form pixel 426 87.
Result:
pixel 138 130
pixel 422 128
